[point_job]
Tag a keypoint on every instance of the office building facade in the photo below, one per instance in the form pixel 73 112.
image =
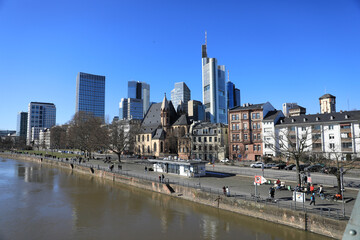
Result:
pixel 21 127
pixel 214 89
pixel 180 94
pixel 233 95
pixel 40 116
pixel 123 109
pixel 140 90
pixel 90 94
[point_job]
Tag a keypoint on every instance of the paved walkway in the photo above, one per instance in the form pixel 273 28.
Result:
pixel 241 186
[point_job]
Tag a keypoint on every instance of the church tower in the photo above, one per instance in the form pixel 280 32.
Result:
pixel 165 114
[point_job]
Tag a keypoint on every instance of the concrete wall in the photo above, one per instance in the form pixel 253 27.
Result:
pixel 297 219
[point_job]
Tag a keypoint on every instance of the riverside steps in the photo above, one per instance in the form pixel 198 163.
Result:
pixel 325 218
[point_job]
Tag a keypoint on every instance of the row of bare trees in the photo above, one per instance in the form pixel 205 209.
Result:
pixel 88 134
pixel 300 149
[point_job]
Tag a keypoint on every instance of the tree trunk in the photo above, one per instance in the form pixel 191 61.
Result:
pixel 119 156
pixel 338 178
pixel 297 162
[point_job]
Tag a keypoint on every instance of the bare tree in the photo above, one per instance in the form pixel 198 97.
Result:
pixel 291 145
pixel 122 136
pixel 58 137
pixel 87 133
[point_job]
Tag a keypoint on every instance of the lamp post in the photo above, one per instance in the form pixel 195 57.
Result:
pixel 342 190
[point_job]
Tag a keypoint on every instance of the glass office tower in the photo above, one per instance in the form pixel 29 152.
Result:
pixel 233 95
pixel 21 127
pixel 90 94
pixel 40 116
pixel 182 93
pixel 140 90
pixel 214 89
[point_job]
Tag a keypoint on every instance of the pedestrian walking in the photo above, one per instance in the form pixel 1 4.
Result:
pixel 145 168
pixel 272 192
pixel 227 191
pixel 224 190
pixel 160 178
pixel 163 177
pixel 312 189
pixel 312 199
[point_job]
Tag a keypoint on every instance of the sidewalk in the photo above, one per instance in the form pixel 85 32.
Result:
pixel 240 186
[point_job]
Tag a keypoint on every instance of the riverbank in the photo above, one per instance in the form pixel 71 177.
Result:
pixel 302 220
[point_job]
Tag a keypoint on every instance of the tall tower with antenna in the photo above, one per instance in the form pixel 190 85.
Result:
pixel 213 88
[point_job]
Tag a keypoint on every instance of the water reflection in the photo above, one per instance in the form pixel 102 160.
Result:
pixel 60 204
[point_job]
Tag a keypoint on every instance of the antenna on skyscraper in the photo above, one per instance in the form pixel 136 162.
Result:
pixel 205 37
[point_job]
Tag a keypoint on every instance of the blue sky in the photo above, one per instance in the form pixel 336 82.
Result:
pixel 276 51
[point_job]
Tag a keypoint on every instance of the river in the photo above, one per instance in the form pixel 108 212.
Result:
pixel 41 202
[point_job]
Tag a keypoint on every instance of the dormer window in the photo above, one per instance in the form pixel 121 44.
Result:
pixel 304 119
pixel 292 120
pixel 317 119
pixel 331 117
pixel 347 116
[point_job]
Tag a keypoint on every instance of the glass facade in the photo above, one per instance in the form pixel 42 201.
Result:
pixel 140 90
pixel 123 109
pixel 181 92
pixel 21 127
pixel 214 89
pixel 233 95
pixel 135 108
pixel 40 116
pixel 90 94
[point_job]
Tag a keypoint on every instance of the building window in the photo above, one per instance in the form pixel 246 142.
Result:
pixel 303 129
pixel 253 116
pixel 245 126
pixel 346 145
pixel 258 116
pixel 259 147
pixel 254 148
pixel 237 137
pixel 332 145
pixel 316 127
pixel 237 126
pixel 200 148
pixel 234 148
pixel 258 136
pixel 246 148
pixel 254 125
pixel 331 127
pixel 245 137
pixel 237 117
pixel 210 139
pixel 244 116
pixel 147 138
pixel 205 139
pixel 199 139
pixel 233 137
pixel 292 129
pixel 331 136
pixel 194 139
pixel 254 136
pixel 210 147
pixel 233 126
pixel 215 139
pixel 143 138
pixel 258 125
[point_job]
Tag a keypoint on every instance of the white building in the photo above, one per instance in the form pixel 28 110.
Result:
pixel 188 168
pixel 329 134
pixel 270 133
pixel 40 116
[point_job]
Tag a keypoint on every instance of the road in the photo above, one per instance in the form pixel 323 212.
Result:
pixel 283 175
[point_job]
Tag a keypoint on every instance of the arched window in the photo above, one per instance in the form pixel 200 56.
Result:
pixel 148 149
pixel 161 147
pixel 154 147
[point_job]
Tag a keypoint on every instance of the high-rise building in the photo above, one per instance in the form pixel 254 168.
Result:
pixel 180 93
pixel 214 90
pixel 40 116
pixel 196 110
pixel 327 103
pixel 140 90
pixel 123 109
pixel 90 94
pixel 134 108
pixel 233 95
pixel 21 128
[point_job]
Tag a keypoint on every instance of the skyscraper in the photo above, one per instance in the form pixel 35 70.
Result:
pixel 123 109
pixel 40 116
pixel 214 90
pixel 90 94
pixel 233 95
pixel 140 90
pixel 180 93
pixel 22 121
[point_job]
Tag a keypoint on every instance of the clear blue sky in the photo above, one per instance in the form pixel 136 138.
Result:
pixel 276 51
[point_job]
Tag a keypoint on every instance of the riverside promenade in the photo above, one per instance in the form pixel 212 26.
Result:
pixel 208 190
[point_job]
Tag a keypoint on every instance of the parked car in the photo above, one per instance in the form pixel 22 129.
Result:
pixel 329 170
pixel 257 165
pixel 279 166
pixel 313 168
pixel 289 167
pixel 224 160
pixel 269 165
pixel 302 166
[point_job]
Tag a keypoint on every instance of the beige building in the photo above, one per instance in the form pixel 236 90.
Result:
pixel 327 103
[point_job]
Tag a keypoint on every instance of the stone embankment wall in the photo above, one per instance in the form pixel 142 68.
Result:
pixel 297 219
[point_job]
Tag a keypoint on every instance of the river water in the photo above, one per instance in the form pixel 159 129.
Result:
pixel 40 202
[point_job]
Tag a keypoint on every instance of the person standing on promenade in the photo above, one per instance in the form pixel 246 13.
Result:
pixel 227 191
pixel 163 177
pixel 160 178
pixel 224 190
pixel 312 199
